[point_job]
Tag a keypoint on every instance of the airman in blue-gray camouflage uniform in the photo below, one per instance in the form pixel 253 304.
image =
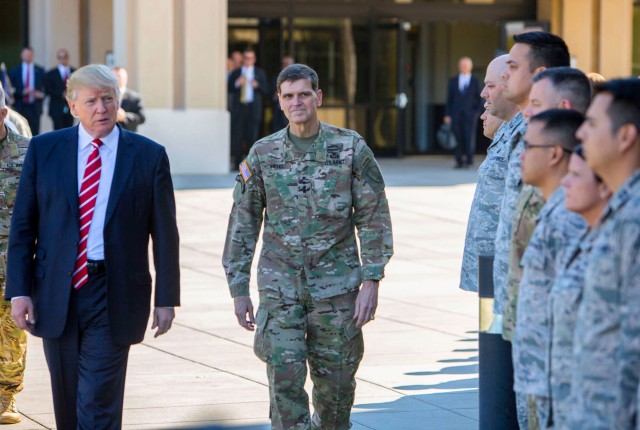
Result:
pixel 555 230
pixel 13 341
pixel 564 300
pixel 310 270
pixel 485 209
pixel 607 337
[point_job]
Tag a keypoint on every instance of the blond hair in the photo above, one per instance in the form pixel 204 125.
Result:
pixel 95 76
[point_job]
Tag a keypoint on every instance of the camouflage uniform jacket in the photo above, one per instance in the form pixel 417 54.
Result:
pixel 528 207
pixel 556 229
pixel 513 186
pixel 607 337
pixel 485 209
pixel 564 300
pixel 12 152
pixel 310 203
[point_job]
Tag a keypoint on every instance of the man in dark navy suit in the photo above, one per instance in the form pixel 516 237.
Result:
pixel 28 84
pixel 55 83
pixel 462 110
pixel 90 197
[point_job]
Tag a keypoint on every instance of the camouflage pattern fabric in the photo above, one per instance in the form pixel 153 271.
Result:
pixel 513 186
pixel 564 299
pixel 485 208
pixel 13 341
pixel 554 233
pixel 528 207
pixel 310 203
pixel 607 337
pixel 290 331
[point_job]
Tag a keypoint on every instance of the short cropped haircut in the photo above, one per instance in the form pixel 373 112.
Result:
pixel 298 71
pixel 570 84
pixel 560 125
pixel 547 50
pixel 625 106
pixel 96 76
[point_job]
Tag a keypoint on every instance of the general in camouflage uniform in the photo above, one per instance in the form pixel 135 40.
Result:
pixel 513 186
pixel 311 309
pixel 13 341
pixel 554 233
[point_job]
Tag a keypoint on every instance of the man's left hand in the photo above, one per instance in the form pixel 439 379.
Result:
pixel 162 319
pixel 366 303
pixel 122 115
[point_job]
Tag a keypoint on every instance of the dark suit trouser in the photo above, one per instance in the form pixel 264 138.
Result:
pixel 463 130
pixel 61 120
pixel 87 368
pixel 31 112
pixel 245 123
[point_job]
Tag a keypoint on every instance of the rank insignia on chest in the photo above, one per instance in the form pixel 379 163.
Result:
pixel 245 171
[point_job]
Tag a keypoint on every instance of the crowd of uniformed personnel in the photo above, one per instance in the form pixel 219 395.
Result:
pixel 557 205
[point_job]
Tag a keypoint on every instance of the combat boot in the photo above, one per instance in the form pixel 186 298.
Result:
pixel 9 414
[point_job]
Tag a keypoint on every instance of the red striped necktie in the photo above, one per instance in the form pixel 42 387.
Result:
pixel 87 203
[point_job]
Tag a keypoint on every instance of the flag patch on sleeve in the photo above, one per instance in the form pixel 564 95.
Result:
pixel 245 171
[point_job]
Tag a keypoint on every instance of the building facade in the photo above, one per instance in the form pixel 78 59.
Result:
pixel 383 64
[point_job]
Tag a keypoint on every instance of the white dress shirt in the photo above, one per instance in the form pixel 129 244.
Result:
pixel 108 152
pixel 463 81
pixel 32 78
pixel 64 71
pixel 248 73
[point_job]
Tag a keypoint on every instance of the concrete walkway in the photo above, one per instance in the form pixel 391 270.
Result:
pixel 420 369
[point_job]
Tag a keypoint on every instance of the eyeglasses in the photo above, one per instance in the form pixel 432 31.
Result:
pixel 528 145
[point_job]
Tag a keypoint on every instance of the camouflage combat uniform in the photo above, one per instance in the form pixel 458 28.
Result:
pixel 556 229
pixel 564 300
pixel 485 209
pixel 513 186
pixel 13 341
pixel 309 271
pixel 607 337
pixel 529 204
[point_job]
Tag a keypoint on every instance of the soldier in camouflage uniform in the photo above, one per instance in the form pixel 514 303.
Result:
pixel 532 53
pixel 483 217
pixel 13 341
pixel 607 337
pixel 549 140
pixel 586 195
pixel 312 183
pixel 556 87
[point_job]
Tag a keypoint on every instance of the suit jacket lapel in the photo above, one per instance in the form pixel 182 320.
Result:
pixel 124 164
pixel 69 161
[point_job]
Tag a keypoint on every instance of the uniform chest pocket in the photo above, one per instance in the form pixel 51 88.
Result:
pixel 494 167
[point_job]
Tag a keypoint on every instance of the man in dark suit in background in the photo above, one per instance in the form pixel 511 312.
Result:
pixel 28 84
pixel 89 199
pixel 55 84
pixel 247 85
pixel 463 108
pixel 130 114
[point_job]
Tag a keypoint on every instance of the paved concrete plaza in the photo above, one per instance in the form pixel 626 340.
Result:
pixel 420 369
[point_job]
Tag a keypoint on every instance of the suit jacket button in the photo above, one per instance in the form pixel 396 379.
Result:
pixel 70 273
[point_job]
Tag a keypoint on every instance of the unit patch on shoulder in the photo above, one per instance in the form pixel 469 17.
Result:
pixel 245 171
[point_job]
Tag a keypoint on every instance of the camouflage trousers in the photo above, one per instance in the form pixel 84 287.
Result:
pixel 290 333
pixel 527 412
pixel 13 352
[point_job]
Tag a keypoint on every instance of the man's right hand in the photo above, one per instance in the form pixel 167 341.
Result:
pixel 23 314
pixel 447 119
pixel 244 312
